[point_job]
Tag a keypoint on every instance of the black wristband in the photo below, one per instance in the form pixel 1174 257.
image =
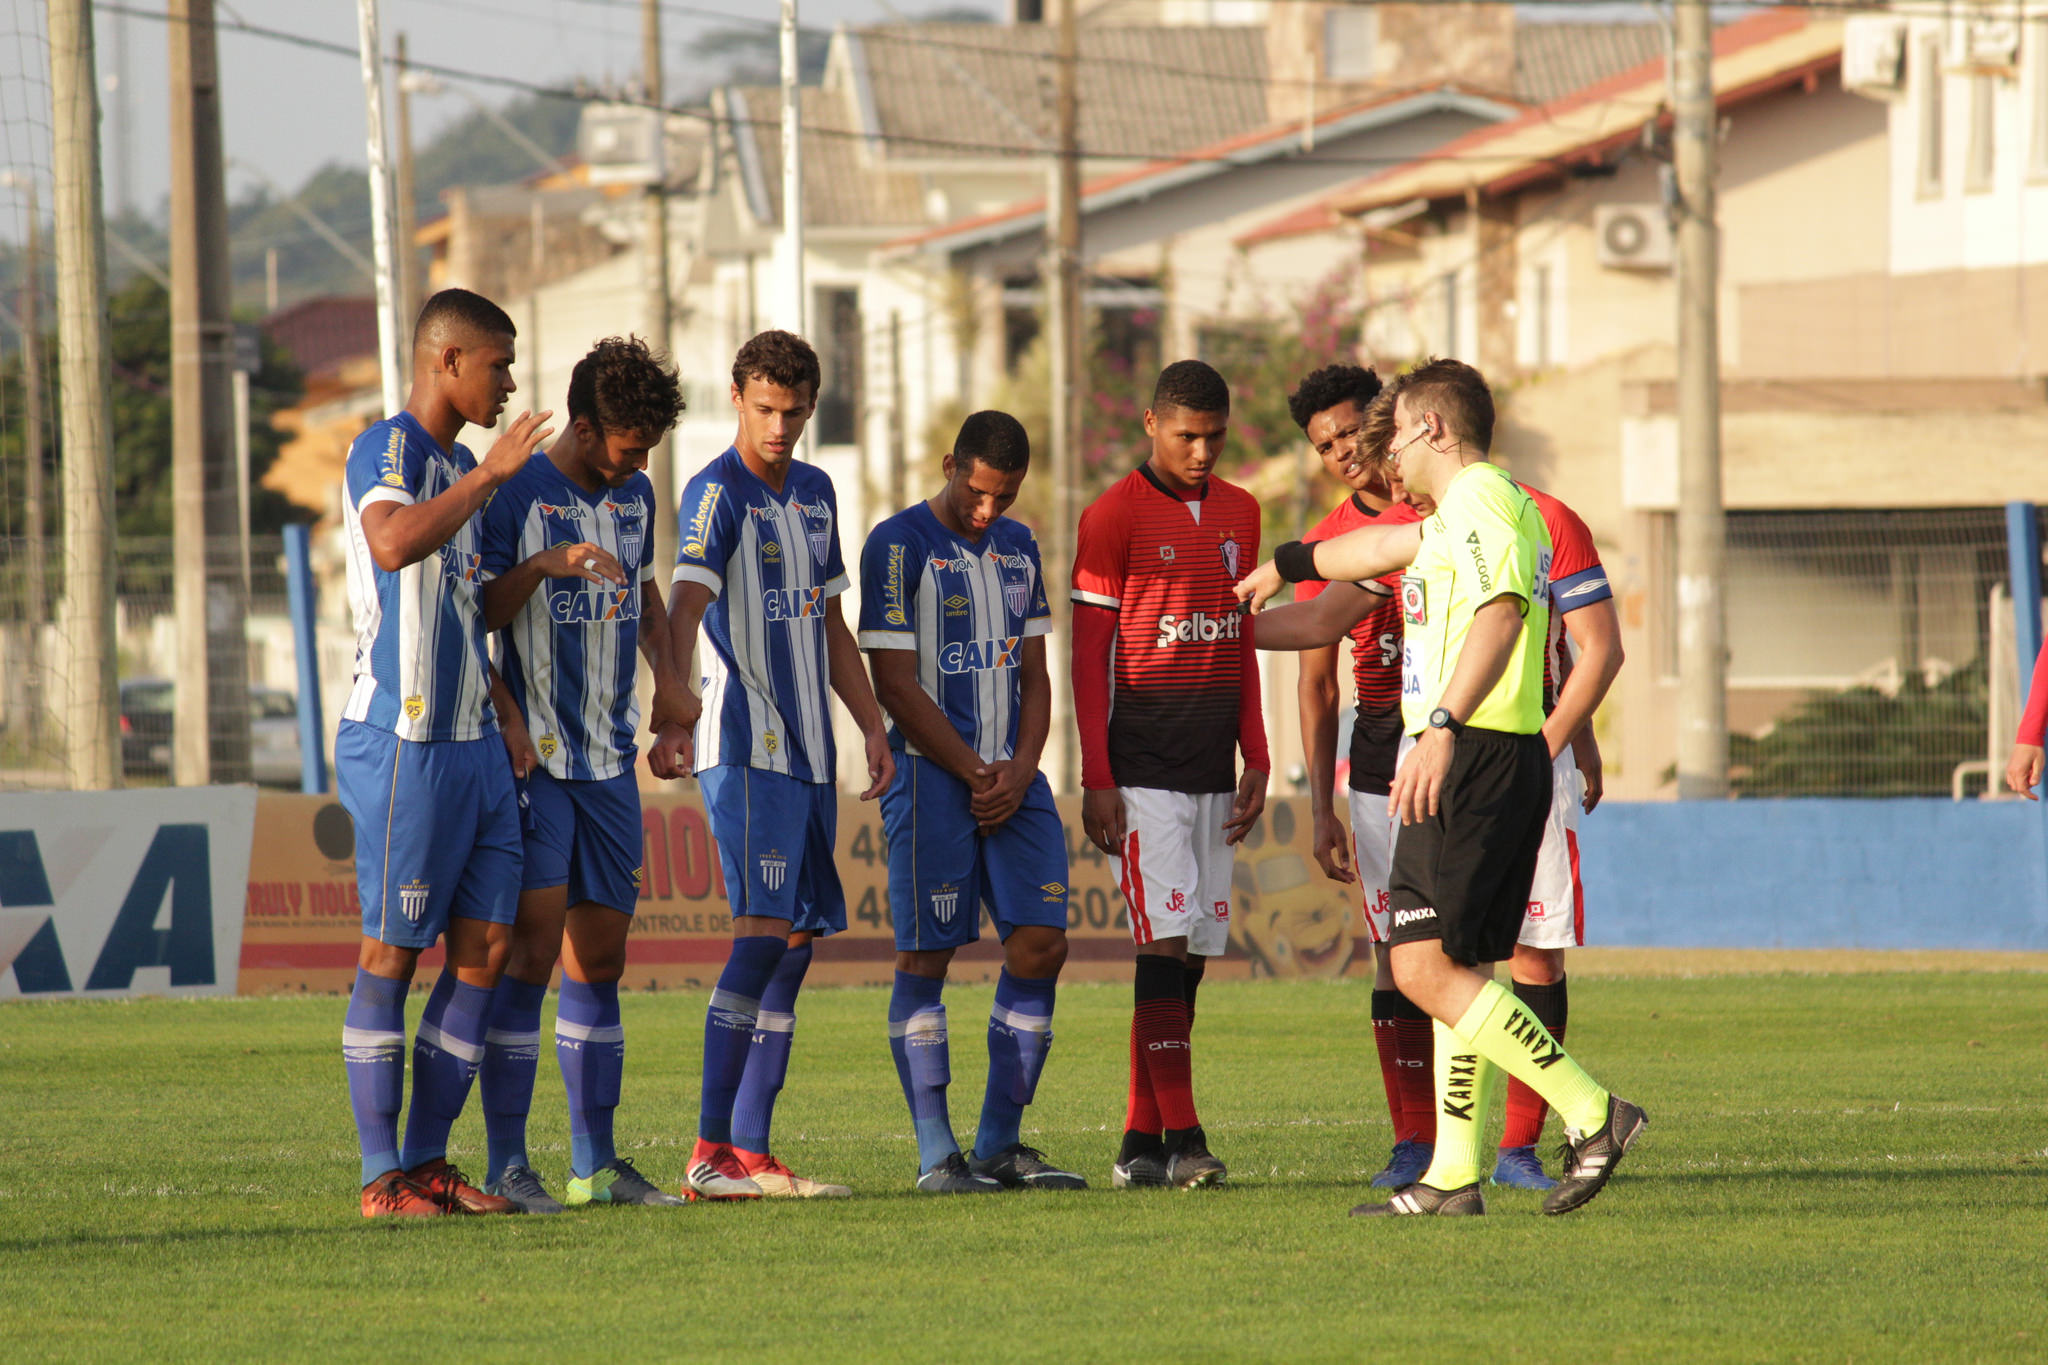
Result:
pixel 1296 561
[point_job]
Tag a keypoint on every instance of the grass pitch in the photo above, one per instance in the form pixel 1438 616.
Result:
pixel 1837 1168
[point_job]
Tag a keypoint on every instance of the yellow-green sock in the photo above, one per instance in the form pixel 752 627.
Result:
pixel 1465 1090
pixel 1501 1029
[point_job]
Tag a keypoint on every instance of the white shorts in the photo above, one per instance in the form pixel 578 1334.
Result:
pixel 1372 853
pixel 1557 902
pixel 1556 917
pixel 1175 869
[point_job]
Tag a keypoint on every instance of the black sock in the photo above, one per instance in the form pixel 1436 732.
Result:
pixel 1139 1144
pixel 1191 982
pixel 1550 1004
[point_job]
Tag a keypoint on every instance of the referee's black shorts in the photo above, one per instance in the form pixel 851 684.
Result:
pixel 1463 874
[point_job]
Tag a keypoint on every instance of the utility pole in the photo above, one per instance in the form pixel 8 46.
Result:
pixel 796 306
pixel 32 445
pixel 392 337
pixel 661 461
pixel 408 207
pixel 1062 288
pixel 211 734
pixel 85 372
pixel 1702 618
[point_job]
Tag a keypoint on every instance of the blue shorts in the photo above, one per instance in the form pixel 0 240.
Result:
pixel 437 831
pixel 775 837
pixel 586 835
pixel 943 870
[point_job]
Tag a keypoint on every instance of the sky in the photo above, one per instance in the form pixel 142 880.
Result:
pixel 286 110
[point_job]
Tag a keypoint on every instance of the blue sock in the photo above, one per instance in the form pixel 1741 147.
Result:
pixel 505 1080
pixel 1019 1036
pixel 445 1056
pixel 753 1111
pixel 590 1043
pixel 729 1029
pixel 917 1037
pixel 373 1050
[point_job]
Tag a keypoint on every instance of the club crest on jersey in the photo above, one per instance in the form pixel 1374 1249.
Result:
pixel 1018 596
pixel 1166 554
pixel 946 903
pixel 1414 600
pixel 774 868
pixel 629 545
pixel 415 707
pixel 412 899
pixel 1227 547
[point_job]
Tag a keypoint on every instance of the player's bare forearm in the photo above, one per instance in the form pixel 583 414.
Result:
pixel 512 728
pixel 1315 697
pixel 1034 703
pixel 849 679
pixel 1324 619
pixel 1596 631
pixel 1368 551
pixel 1488 643
pixel 655 645
pixel 923 724
pixel 685 613
pixel 402 534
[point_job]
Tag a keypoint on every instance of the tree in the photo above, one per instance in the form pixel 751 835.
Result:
pixel 1861 742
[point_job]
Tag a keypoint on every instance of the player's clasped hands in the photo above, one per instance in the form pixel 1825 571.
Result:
pixel 1259 586
pixel 999 792
pixel 510 452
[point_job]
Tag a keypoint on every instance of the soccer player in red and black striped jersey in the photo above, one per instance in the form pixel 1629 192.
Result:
pixel 1166 693
pixel 1332 407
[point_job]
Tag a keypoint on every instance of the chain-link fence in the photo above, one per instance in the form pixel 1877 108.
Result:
pixel 36 676
pixel 1870 652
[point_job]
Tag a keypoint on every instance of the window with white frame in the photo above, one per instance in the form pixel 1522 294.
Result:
pixel 1978 173
pixel 1927 69
pixel 1349 33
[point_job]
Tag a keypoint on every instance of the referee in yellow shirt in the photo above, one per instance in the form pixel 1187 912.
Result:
pixel 1473 787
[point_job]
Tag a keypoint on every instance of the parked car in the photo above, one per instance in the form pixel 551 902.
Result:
pixel 148 706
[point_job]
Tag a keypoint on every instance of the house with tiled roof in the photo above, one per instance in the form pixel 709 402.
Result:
pixel 1854 349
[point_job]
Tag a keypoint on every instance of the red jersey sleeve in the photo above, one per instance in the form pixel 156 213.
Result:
pixel 1102 547
pixel 1093 643
pixel 1251 716
pixel 2034 720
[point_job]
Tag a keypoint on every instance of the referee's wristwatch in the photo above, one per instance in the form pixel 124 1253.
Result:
pixel 1442 719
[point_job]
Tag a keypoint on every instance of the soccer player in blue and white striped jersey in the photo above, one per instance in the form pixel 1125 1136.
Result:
pixel 418 761
pixel 760 568
pixel 569 556
pixel 954 618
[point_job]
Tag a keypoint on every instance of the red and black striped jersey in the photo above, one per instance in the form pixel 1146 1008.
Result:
pixel 1166 565
pixel 1375 651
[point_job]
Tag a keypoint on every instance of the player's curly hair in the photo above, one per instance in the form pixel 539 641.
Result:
pixel 621 387
pixel 1454 391
pixel 782 358
pixel 1192 386
pixel 1326 388
pixel 995 439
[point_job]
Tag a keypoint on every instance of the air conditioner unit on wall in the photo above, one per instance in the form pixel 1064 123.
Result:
pixel 1874 54
pixel 1984 43
pixel 1632 237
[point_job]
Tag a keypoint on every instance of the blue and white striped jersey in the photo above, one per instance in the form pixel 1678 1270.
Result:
pixel 422 672
pixel 570 653
pixel 771 561
pixel 966 609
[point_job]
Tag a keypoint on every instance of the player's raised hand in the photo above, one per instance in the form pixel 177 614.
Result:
pixel 1333 848
pixel 1003 792
pixel 881 764
pixel 1102 819
pixel 1246 809
pixel 582 560
pixel 673 753
pixel 1259 586
pixel 1420 779
pixel 510 452
pixel 2023 770
pixel 518 745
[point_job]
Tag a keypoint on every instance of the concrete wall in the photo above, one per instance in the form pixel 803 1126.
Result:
pixel 1817 874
